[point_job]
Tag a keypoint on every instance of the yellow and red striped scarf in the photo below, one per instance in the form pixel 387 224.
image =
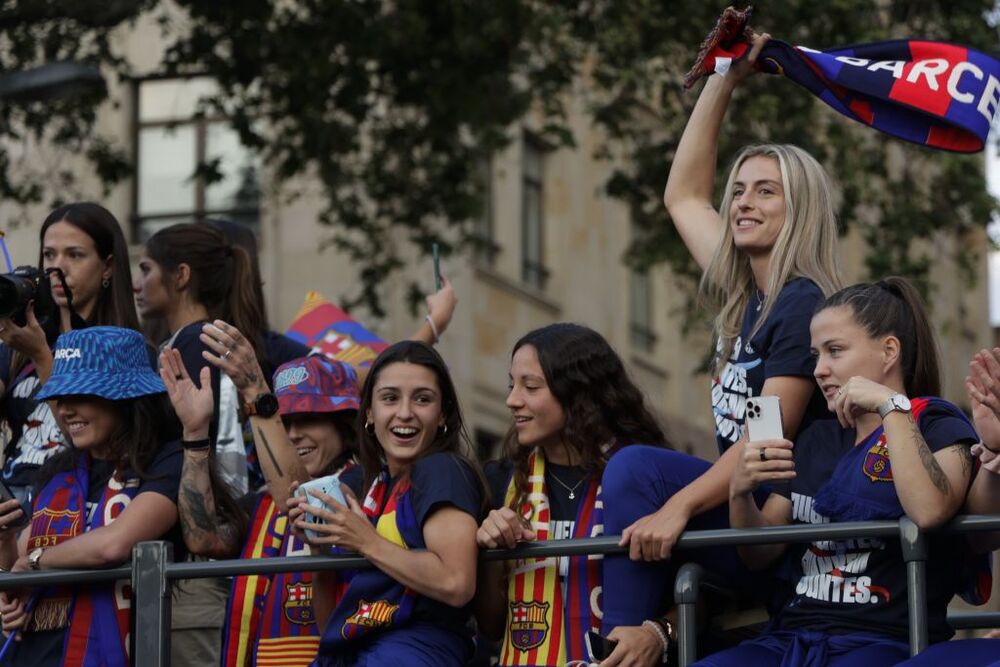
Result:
pixel 547 619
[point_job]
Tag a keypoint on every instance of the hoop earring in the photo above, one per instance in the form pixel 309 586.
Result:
pixel 370 428
pixel 445 429
pixel 105 283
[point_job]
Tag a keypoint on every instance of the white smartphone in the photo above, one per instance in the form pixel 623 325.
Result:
pixel 764 418
pixel 330 485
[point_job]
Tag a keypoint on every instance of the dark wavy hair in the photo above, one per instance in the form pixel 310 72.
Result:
pixel 601 403
pixel 893 307
pixel 452 438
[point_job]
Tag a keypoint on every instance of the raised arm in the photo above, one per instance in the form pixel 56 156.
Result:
pixel 983 387
pixel 440 308
pixel 232 354
pixel 691 183
pixel 206 532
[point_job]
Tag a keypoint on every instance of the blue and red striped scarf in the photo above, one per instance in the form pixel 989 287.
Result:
pixel 374 602
pixel 269 619
pixel 547 618
pixel 930 93
pixel 98 615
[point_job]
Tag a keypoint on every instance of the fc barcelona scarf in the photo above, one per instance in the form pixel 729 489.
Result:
pixel 270 620
pixel 861 488
pixel 374 602
pixel 547 618
pixel 98 615
pixel 929 93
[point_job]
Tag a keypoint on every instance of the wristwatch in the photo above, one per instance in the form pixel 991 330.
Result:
pixel 265 405
pixel 896 402
pixel 35 557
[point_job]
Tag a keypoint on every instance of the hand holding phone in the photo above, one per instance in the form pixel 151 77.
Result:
pixel 330 485
pixel 6 495
pixel 436 253
pixel 763 418
pixel 598 646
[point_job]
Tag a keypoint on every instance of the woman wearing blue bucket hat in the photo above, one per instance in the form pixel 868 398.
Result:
pixel 115 486
pixel 84 242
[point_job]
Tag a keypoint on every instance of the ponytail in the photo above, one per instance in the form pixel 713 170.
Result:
pixel 893 307
pixel 242 307
pixel 229 294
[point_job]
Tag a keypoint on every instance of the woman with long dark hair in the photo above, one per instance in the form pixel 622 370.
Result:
pixel 416 525
pixel 113 487
pixel 574 410
pixel 893 449
pixel 84 242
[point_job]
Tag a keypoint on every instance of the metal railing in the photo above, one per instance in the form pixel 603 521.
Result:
pixel 152 569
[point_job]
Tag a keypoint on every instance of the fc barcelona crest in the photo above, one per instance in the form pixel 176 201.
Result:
pixel 876 464
pixel 529 624
pixel 298 603
pixel 377 614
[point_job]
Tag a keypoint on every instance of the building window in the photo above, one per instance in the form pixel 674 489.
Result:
pixel 641 311
pixel 189 165
pixel 533 271
pixel 486 247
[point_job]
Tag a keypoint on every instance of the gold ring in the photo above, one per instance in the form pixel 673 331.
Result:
pixel 227 354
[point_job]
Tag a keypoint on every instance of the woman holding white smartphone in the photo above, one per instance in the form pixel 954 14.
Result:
pixel 768 256
pixel 891 448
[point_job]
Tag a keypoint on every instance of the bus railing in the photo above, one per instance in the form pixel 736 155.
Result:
pixel 152 570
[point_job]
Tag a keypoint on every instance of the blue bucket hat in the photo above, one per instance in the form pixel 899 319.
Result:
pixel 110 362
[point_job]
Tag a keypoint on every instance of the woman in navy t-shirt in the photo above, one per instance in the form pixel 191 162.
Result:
pixel 416 525
pixel 768 256
pixel 893 449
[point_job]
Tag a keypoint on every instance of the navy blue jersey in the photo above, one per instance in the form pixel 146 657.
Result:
pixel 779 348
pixel 859 585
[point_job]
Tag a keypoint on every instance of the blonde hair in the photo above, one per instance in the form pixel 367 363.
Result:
pixel 806 246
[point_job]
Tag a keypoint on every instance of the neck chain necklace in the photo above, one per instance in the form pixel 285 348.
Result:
pixel 760 299
pixel 572 490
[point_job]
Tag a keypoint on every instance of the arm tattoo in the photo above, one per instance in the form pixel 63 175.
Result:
pixel 968 465
pixel 250 378
pixel 270 454
pixel 198 516
pixel 938 478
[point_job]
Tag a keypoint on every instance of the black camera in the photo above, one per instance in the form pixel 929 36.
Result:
pixel 23 285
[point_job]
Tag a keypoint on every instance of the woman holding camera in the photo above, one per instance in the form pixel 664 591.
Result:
pixel 113 487
pixel 84 242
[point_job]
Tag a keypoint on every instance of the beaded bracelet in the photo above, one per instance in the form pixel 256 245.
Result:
pixel 434 329
pixel 658 629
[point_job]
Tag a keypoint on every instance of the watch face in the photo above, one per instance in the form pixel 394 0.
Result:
pixel 266 405
pixel 901 402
